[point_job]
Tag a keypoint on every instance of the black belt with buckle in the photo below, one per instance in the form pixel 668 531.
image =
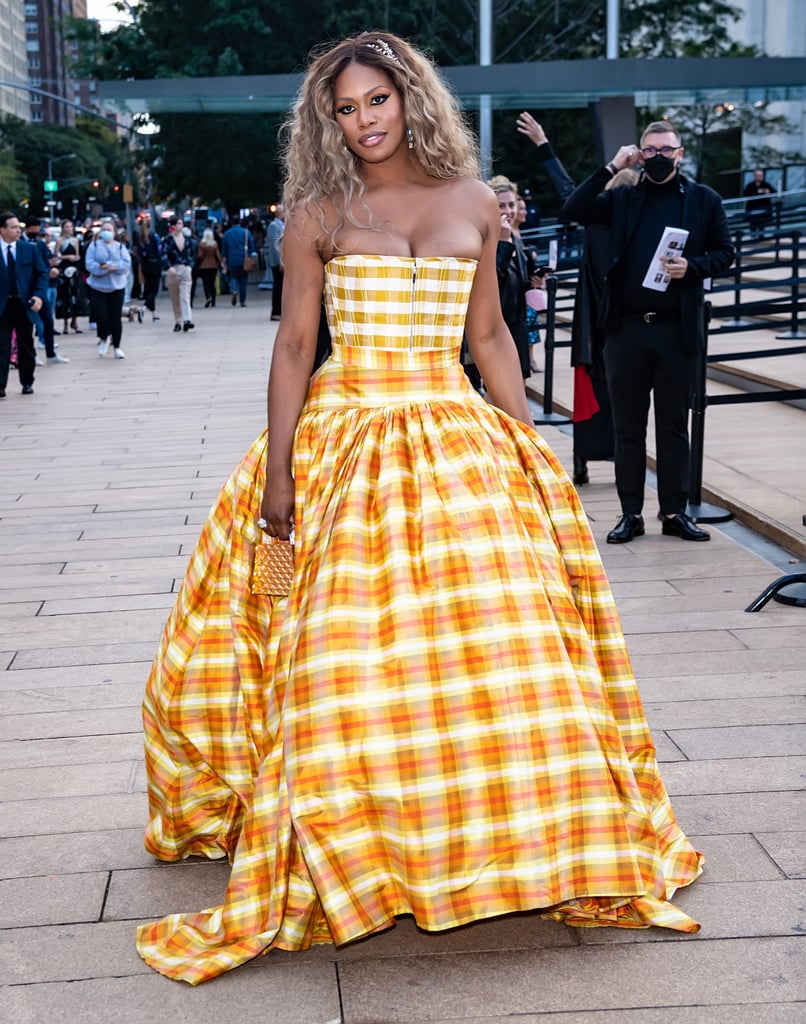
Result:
pixel 655 318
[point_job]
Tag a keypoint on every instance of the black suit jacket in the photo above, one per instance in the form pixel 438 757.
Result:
pixel 709 249
pixel 32 275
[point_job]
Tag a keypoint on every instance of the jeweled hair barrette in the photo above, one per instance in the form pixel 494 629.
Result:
pixel 382 47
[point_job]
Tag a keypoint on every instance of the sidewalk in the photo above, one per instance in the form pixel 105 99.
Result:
pixel 106 474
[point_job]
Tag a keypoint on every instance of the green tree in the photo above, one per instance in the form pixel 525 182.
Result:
pixel 13 184
pixel 98 154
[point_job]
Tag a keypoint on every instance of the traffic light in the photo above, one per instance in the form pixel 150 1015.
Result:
pixel 116 188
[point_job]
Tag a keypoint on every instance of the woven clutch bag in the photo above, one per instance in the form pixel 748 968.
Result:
pixel 273 568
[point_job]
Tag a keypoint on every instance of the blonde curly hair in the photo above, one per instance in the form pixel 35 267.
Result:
pixel 319 167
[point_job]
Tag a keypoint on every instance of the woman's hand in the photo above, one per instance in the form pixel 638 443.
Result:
pixel 277 507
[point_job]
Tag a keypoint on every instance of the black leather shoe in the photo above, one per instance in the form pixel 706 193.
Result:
pixel 683 526
pixel 580 471
pixel 2 392
pixel 27 389
pixel 235 300
pixel 626 528
pixel 177 327
pixel 188 325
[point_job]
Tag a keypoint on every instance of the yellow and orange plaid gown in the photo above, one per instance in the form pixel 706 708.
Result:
pixel 441 719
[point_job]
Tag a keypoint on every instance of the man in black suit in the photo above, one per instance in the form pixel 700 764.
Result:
pixel 23 289
pixel 652 337
pixel 43 321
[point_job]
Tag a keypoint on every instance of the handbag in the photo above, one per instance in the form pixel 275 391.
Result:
pixel 273 567
pixel 248 259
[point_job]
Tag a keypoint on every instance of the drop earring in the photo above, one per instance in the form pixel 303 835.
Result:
pixel 410 138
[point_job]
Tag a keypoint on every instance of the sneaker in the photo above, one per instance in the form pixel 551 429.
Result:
pixel 154 319
pixel 40 343
pixel 103 348
pixel 58 359
pixel 39 362
pixel 119 353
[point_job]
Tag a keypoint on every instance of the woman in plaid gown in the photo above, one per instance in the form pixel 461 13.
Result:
pixel 440 720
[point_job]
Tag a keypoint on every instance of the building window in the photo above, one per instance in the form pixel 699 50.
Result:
pixel 32 45
pixel 31 28
pixel 36 99
pixel 33 63
pixel 36 115
pixel 30 11
pixel 35 81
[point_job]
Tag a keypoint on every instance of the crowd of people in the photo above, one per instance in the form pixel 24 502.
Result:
pixel 94 272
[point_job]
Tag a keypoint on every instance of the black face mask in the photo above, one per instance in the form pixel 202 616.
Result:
pixel 659 167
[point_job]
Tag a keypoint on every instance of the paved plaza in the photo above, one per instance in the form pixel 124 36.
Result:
pixel 107 473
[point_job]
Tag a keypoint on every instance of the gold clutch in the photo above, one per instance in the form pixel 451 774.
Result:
pixel 273 568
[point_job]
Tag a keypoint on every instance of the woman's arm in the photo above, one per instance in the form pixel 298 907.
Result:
pixel 294 350
pixel 490 342
pixel 91 261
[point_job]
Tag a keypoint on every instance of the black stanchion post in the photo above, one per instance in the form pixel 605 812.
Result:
pixel 737 281
pixel 700 511
pixel 794 331
pixel 549 416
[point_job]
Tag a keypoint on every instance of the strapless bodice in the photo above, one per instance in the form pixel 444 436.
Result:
pixel 398 302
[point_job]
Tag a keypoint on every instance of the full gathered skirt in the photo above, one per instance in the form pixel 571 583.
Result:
pixel 440 720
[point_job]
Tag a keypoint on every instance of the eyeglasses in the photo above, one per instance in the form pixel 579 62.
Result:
pixel 649 151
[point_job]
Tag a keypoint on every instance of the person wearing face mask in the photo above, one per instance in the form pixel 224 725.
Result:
pixel 108 263
pixel 652 337
pixel 180 254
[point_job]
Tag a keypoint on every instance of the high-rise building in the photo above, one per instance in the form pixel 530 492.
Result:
pixel 13 60
pixel 778 28
pixel 49 53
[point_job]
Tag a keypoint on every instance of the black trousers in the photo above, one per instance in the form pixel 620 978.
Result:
pixel 152 278
pixel 646 360
pixel 208 276
pixel 107 308
pixel 15 318
pixel 277 274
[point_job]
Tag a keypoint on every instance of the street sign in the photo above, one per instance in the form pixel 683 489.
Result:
pixel 51 185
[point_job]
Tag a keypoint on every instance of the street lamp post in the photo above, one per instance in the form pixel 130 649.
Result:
pixel 50 201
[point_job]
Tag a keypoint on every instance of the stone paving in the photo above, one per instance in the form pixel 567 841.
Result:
pixel 106 474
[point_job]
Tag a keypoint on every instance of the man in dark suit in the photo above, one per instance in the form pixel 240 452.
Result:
pixel 23 289
pixel 652 337
pixel 43 321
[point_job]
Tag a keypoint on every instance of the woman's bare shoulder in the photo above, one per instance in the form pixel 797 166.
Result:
pixel 306 228
pixel 474 189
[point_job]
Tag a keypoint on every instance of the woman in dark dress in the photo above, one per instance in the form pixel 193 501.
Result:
pixel 71 300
